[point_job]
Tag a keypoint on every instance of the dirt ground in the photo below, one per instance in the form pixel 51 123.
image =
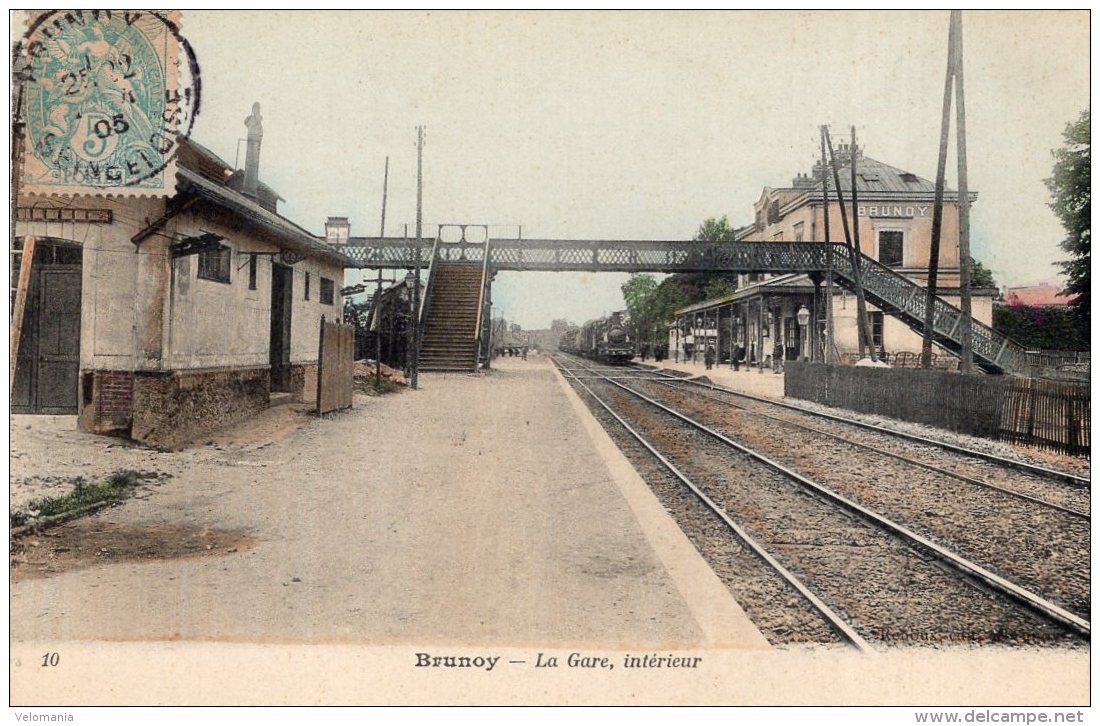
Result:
pixel 473 510
pixel 84 543
pixel 47 453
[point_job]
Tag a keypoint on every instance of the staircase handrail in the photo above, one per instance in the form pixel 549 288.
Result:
pixel 481 293
pixel 424 304
pixel 910 299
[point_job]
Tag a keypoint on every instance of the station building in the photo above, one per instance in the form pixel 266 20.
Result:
pixel 157 318
pixel 894 216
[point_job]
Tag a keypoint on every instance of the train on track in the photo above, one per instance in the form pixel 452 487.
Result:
pixel 606 340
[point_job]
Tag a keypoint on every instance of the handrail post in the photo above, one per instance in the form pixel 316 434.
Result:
pixel 481 301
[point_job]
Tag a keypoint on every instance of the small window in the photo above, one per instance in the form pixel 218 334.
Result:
pixel 891 247
pixel 252 271
pixel 214 264
pixel 876 329
pixel 798 231
pixel 307 286
pixel 328 291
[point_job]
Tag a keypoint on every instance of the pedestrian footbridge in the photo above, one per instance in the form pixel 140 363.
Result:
pixel 891 292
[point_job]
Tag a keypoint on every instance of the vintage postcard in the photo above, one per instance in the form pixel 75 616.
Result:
pixel 545 358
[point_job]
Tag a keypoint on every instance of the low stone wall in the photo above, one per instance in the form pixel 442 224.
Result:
pixel 171 409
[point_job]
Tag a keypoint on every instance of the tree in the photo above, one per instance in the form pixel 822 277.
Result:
pixel 639 292
pixel 980 275
pixel 715 230
pixel 1070 187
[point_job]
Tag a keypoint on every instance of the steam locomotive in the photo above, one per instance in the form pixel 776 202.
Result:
pixel 605 340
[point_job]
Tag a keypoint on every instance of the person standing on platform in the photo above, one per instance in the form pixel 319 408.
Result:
pixel 708 357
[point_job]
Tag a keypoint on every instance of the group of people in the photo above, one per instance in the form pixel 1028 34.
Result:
pixel 660 352
pixel 512 351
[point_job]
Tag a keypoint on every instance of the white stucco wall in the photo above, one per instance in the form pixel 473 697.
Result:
pixel 109 326
pixel 218 325
pixel 142 311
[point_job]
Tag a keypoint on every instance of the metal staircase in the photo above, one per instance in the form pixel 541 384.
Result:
pixel 905 299
pixel 450 340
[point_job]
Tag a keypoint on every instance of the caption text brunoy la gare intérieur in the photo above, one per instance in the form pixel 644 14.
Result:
pixel 581 661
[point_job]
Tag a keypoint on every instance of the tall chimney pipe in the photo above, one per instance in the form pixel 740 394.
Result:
pixel 252 153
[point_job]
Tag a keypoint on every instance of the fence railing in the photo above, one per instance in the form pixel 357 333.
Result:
pixel 1052 415
pixel 1049 414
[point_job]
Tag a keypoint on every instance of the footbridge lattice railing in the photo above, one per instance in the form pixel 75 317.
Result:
pixel 893 293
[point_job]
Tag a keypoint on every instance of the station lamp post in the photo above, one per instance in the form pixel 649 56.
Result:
pixel 803 324
pixel 695 338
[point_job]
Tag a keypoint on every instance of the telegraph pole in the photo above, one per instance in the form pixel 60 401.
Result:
pixel 416 272
pixel 937 205
pixel 378 290
pixel 385 187
pixel 830 354
pixel 965 263
pixel 865 334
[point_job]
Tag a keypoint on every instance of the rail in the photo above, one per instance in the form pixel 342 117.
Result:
pixel 968 568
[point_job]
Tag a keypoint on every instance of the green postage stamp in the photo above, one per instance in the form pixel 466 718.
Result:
pixel 106 97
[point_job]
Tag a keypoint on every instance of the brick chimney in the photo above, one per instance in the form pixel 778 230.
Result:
pixel 252 153
pixel 337 230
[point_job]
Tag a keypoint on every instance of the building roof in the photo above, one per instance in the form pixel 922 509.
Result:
pixel 873 177
pixel 204 173
pixel 1044 295
pixel 791 283
pixel 287 232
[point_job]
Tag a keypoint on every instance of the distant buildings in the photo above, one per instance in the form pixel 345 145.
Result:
pixel 1044 295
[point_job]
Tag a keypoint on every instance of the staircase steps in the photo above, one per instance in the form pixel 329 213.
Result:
pixel 449 342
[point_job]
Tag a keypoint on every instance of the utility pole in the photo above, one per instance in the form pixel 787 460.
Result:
pixel 830 350
pixel 965 263
pixel 857 275
pixel 378 289
pixel 867 338
pixel 415 352
pixel 937 205
pixel 385 188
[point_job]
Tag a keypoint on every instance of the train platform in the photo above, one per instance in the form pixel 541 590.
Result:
pixel 758 382
pixel 483 509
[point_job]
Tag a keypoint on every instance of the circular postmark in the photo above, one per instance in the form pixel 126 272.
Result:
pixel 108 96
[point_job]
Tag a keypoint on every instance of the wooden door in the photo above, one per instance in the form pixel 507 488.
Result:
pixel 58 375
pixel 282 301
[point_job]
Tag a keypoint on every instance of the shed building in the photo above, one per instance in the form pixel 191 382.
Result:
pixel 157 318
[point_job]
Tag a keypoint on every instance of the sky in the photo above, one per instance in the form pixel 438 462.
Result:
pixel 632 125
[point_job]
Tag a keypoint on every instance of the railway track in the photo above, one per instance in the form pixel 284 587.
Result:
pixel 1001 461
pixel 765 502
